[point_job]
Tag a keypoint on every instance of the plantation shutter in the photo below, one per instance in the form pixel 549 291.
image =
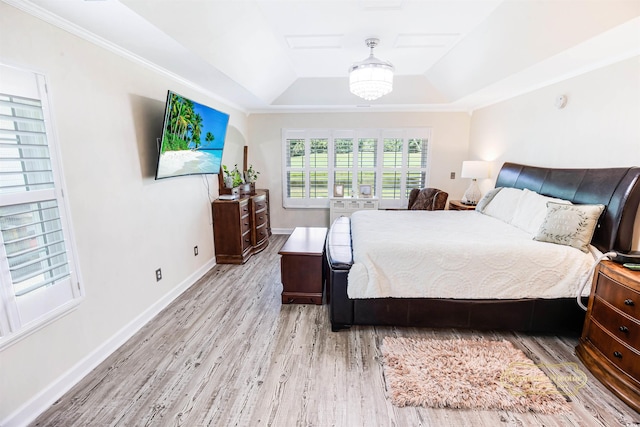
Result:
pixel 343 155
pixel 295 150
pixel 390 161
pixel 367 164
pixel 417 163
pixel 392 167
pixel 37 278
pixel 319 167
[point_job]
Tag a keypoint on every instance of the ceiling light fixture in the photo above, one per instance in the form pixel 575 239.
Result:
pixel 371 78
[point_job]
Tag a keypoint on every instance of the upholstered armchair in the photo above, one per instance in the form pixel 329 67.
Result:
pixel 429 199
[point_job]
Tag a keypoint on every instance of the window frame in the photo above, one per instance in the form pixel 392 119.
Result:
pixel 356 135
pixel 26 314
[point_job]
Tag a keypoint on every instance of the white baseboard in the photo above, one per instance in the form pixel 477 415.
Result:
pixel 282 230
pixel 43 400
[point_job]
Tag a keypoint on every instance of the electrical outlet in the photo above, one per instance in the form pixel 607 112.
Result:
pixel 158 275
pixel 195 251
pixel 453 175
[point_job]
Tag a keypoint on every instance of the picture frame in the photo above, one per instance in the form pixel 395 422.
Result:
pixel 338 190
pixel 365 190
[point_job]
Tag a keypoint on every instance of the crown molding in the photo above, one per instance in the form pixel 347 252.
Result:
pixel 57 21
pixel 398 108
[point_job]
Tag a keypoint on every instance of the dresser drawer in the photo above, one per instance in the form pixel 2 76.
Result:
pixel 261 234
pixel 618 353
pixel 260 218
pixel 246 240
pixel 369 204
pixel 244 208
pixel 245 224
pixel 619 325
pixel 338 205
pixel 352 205
pixel 621 297
pixel 259 203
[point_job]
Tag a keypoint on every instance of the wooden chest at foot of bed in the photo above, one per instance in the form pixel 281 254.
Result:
pixel 302 267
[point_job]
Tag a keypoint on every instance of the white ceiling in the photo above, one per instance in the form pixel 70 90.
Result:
pixel 268 55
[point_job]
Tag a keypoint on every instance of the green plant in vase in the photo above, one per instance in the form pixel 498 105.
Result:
pixel 251 175
pixel 232 178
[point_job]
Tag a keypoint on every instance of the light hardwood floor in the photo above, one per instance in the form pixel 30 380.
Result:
pixel 227 352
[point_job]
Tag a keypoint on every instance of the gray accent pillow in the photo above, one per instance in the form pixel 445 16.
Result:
pixel 487 198
pixel 570 225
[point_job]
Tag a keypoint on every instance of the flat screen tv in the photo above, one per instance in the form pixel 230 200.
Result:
pixel 193 138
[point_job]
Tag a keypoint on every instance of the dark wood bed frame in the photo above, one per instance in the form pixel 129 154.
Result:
pixel 616 188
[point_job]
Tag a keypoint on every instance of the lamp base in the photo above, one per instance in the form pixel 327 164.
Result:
pixel 472 195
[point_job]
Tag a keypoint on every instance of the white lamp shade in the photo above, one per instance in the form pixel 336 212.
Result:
pixel 475 169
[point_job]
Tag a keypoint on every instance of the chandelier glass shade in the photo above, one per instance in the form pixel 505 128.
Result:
pixel 371 78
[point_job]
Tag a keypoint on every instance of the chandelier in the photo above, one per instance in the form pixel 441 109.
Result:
pixel 371 78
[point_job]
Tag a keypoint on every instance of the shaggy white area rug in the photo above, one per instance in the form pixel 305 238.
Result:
pixel 467 374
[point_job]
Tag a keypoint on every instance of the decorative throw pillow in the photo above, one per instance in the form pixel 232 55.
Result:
pixel 570 225
pixel 531 211
pixel 503 205
pixel 486 199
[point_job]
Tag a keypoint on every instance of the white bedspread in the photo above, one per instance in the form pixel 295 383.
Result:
pixel 457 254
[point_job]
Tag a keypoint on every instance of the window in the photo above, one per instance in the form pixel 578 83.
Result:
pixel 391 161
pixel 38 278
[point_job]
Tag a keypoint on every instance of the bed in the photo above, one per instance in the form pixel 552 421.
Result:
pixel 478 286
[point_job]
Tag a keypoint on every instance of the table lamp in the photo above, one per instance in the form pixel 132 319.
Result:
pixel 474 169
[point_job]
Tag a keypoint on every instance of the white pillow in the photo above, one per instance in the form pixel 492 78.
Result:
pixel 531 211
pixel 504 204
pixel 571 225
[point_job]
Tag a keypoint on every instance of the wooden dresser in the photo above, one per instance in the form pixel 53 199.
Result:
pixel 241 227
pixel 610 342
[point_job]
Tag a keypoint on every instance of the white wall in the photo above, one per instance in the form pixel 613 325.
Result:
pixel 107 113
pixel 599 127
pixel 449 147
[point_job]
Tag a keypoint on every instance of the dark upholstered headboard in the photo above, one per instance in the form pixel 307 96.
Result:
pixel 616 188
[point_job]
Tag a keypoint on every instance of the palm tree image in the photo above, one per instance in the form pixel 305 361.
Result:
pixel 187 121
pixel 193 135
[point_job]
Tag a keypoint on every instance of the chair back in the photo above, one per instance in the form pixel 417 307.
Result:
pixel 429 199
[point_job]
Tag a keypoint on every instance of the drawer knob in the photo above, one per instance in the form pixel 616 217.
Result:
pixel 623 329
pixel 617 354
pixel 628 302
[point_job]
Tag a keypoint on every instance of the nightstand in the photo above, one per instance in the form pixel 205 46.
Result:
pixel 610 342
pixel 457 205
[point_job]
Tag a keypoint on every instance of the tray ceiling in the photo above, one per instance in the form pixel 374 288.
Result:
pixel 266 55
